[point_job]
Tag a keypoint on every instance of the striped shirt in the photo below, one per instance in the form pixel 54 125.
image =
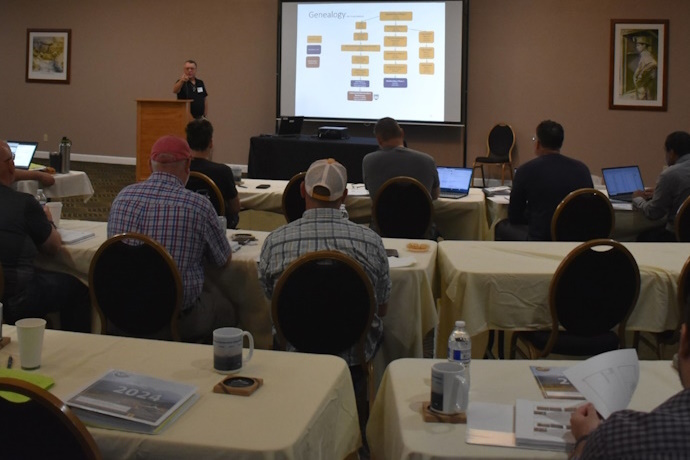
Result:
pixel 324 229
pixel 182 221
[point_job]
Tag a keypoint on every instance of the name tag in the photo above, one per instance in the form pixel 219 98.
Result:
pixel 199 89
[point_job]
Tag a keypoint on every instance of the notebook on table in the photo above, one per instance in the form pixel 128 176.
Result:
pixel 455 182
pixel 622 181
pixel 23 153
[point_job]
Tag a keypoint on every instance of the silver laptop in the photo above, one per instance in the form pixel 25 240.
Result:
pixel 622 181
pixel 455 182
pixel 23 153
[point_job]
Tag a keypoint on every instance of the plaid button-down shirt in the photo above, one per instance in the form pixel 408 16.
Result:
pixel 324 229
pixel 182 221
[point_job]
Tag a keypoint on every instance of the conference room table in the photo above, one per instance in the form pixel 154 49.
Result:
pixel 73 183
pixel 305 408
pixel 504 285
pixel 456 219
pixel 396 429
pixel 628 223
pixel 411 307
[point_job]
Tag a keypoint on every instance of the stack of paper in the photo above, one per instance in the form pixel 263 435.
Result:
pixel 74 236
pixel 132 402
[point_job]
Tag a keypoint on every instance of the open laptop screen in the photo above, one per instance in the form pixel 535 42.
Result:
pixel 290 126
pixel 622 180
pixel 23 153
pixel 454 179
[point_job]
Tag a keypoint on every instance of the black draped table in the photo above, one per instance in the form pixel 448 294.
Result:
pixel 280 157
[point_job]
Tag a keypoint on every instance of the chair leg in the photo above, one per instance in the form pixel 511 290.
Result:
pixel 501 344
pixel 480 166
pixel 488 353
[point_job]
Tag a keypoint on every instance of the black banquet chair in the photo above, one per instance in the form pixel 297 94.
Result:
pixel 201 183
pixel 136 288
pixel 594 289
pixel 41 426
pixel 499 151
pixel 583 215
pixel 403 209
pixel 293 202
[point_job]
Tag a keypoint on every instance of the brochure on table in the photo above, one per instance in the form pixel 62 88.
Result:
pixel 132 402
pixel 554 384
pixel 608 381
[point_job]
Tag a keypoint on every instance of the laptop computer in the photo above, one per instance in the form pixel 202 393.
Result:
pixel 455 182
pixel 23 153
pixel 290 126
pixel 622 181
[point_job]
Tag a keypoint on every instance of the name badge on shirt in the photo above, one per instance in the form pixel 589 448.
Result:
pixel 199 89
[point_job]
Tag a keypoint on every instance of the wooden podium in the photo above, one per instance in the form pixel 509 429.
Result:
pixel 156 118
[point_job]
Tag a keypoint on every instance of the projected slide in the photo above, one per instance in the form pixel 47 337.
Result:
pixel 371 59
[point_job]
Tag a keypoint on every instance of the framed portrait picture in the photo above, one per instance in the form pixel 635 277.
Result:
pixel 48 55
pixel 639 60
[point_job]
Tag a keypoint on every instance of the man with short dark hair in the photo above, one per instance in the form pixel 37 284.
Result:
pixel 540 185
pixel 672 188
pixel 394 159
pixel 200 140
pixel 322 227
pixel 661 433
pixel 26 229
pixel 185 224
pixel 190 87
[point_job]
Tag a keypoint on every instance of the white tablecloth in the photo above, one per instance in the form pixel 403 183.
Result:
pixel 73 183
pixel 411 308
pixel 305 409
pixel 396 429
pixel 504 285
pixel 462 219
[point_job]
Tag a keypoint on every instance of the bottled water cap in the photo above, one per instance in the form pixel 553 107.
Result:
pixel 459 324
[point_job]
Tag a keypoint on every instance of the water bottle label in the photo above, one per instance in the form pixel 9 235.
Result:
pixel 463 356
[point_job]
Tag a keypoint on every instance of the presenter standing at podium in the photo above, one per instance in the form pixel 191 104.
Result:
pixel 190 87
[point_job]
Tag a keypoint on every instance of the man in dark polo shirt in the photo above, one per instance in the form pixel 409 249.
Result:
pixel 190 87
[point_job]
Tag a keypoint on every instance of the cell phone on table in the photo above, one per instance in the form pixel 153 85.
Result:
pixel 263 185
pixel 392 252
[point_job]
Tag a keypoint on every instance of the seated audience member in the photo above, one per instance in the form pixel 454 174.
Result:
pixel 540 185
pixel 322 227
pixel 186 224
pixel 200 140
pixel 25 230
pixel 661 433
pixel 672 188
pixel 394 159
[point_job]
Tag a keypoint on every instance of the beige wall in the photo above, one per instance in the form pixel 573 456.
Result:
pixel 529 60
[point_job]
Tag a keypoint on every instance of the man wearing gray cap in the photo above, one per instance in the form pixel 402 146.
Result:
pixel 644 77
pixel 322 227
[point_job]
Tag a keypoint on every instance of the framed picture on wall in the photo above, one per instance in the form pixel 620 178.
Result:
pixel 48 55
pixel 639 60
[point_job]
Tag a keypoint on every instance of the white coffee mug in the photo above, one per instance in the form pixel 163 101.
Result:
pixel 227 349
pixel 450 390
pixel 30 338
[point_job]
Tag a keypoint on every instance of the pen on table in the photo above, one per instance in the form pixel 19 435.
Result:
pixel 241 186
pixel 9 362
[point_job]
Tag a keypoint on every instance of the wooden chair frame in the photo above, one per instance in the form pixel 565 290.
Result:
pixel 509 163
pixel 214 188
pixel 163 253
pixel 533 352
pixel 294 181
pixel 574 196
pixel 682 229
pixel 395 181
pixel 58 410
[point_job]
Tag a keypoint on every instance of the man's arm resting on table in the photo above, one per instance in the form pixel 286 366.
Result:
pixel 43 177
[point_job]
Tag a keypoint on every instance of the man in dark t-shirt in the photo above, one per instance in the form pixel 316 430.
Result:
pixel 540 185
pixel 200 140
pixel 190 87
pixel 25 230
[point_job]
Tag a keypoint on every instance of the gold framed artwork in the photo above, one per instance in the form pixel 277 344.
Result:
pixel 48 55
pixel 639 61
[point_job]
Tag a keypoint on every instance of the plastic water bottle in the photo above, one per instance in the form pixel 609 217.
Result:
pixel 343 211
pixel 41 197
pixel 460 347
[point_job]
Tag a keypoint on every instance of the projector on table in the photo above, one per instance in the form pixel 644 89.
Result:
pixel 333 132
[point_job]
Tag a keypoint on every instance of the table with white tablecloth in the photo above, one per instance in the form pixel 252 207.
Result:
pixel 502 285
pixel 396 429
pixel 73 183
pixel 456 219
pixel 411 307
pixel 305 409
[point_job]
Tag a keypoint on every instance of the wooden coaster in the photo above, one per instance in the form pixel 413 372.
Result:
pixel 4 341
pixel 238 385
pixel 434 417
